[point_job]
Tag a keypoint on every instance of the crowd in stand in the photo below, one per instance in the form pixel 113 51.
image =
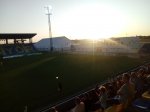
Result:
pixel 117 95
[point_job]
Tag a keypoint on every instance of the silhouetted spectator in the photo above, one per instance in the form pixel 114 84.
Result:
pixel 111 91
pixel 139 85
pixel 53 109
pixel 80 107
pixel 95 104
pixel 87 101
pixel 103 97
pixel 127 91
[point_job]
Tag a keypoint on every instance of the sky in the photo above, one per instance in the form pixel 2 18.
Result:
pixel 76 19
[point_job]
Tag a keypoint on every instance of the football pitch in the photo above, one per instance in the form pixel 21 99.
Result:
pixel 32 80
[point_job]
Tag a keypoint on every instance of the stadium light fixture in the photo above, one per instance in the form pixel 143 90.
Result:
pixel 48 13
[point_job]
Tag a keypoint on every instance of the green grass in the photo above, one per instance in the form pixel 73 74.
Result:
pixel 31 80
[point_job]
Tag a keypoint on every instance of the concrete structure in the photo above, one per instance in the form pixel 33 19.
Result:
pixel 59 44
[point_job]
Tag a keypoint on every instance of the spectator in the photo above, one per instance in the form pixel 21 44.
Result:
pixel 80 107
pixel 103 97
pixel 111 91
pixel 95 95
pixel 119 82
pixel 87 102
pixel 133 79
pixel 53 109
pixel 25 109
pixel 139 83
pixel 126 91
pixel 95 104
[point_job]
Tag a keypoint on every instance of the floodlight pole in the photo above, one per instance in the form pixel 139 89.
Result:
pixel 50 32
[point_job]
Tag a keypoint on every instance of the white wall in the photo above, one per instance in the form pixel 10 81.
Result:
pixel 59 43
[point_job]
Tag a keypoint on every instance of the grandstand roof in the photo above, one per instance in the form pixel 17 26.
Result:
pixel 16 35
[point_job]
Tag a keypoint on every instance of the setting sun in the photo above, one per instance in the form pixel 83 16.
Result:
pixel 91 22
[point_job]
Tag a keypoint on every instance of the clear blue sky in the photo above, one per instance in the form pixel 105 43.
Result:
pixel 76 18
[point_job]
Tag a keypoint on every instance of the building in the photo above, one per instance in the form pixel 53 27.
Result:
pixel 83 46
pixel 59 44
pixel 124 45
pixel 111 46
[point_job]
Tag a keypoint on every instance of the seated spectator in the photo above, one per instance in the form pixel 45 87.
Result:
pixel 139 84
pixel 133 78
pixel 97 87
pixel 146 69
pixel 80 107
pixel 53 109
pixel 95 104
pixel 126 91
pixel 103 97
pixel 87 101
pixel 111 91
pixel 95 95
pixel 112 98
pixel 119 82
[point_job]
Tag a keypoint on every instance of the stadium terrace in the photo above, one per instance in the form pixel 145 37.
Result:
pixel 16 44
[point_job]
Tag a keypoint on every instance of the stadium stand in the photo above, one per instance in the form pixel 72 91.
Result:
pixel 16 45
pixel 112 96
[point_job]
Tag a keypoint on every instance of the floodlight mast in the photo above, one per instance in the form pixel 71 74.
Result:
pixel 49 24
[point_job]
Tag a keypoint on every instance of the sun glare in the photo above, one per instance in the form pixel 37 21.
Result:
pixel 91 22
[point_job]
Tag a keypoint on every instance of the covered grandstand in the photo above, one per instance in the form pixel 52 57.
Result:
pixel 16 44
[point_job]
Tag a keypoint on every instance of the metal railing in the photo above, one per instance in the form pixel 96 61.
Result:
pixel 46 108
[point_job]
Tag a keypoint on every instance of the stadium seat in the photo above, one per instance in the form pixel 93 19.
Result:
pixel 19 49
pixel 7 50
